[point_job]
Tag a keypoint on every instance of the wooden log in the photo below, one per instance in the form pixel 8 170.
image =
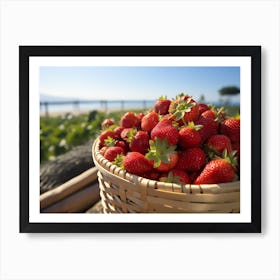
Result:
pixel 63 168
pixel 68 188
pixel 77 202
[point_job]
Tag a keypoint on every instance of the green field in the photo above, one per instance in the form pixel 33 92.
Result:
pixel 60 134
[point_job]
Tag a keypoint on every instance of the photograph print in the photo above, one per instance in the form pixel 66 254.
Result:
pixel 162 134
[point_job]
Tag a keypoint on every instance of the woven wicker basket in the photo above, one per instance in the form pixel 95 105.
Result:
pixel 123 192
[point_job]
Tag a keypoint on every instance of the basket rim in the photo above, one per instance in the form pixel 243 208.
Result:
pixel 105 166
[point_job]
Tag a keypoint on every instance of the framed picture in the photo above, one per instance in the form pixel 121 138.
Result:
pixel 164 184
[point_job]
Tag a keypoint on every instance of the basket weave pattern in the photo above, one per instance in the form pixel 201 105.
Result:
pixel 122 192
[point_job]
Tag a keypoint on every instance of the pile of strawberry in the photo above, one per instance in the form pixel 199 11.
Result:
pixel 180 141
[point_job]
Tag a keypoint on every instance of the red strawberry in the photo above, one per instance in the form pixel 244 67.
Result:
pixel 103 150
pixel 170 164
pixel 139 119
pixel 110 142
pixel 123 145
pixel 193 175
pixel 184 108
pixel 231 128
pixel 220 170
pixel 216 144
pixel 162 105
pixel 106 123
pixel 209 127
pixel 183 176
pixel 163 156
pixel 128 120
pixel 236 147
pixel 189 136
pixel 112 152
pixel 136 163
pixel 149 121
pixel 202 108
pixel 140 143
pixel 192 159
pixel 164 129
pixel 104 135
pixel 215 114
pixel 118 130
pixel 152 175
pixel 128 133
pixel 209 114
pixel 140 116
pixel 176 176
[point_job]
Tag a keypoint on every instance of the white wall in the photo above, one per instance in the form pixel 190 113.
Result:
pixel 139 256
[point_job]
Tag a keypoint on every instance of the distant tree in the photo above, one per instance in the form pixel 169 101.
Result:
pixel 201 98
pixel 230 90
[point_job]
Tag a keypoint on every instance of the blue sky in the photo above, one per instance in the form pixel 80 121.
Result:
pixel 136 82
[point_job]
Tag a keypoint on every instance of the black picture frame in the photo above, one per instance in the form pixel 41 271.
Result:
pixel 254 52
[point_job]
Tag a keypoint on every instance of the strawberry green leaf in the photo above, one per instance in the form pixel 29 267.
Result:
pixel 118 161
pixel 195 127
pixel 110 142
pixel 180 107
pixel 210 152
pixel 111 127
pixel 131 134
pixel 171 178
pixel 159 151
pixel 230 158
pixel 162 97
